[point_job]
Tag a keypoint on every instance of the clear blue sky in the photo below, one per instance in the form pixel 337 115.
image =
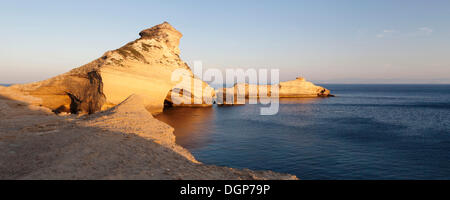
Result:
pixel 400 41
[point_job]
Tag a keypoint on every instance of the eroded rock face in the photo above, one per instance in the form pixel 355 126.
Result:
pixel 70 92
pixel 142 67
pixel 298 88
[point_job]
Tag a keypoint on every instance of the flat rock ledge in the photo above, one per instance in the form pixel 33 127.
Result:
pixel 298 88
pixel 123 142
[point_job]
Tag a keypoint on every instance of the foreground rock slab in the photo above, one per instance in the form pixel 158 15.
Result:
pixel 124 142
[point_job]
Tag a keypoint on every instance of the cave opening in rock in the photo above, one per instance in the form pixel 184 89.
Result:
pixel 168 103
pixel 75 103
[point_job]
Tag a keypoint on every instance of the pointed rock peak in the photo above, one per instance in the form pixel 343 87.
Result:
pixel 300 78
pixel 165 27
pixel 163 32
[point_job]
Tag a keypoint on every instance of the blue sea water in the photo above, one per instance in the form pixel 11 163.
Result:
pixel 366 132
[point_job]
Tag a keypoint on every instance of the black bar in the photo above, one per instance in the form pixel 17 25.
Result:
pixel 262 189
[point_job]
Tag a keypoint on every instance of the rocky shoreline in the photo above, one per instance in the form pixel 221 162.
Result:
pixel 96 122
pixel 37 144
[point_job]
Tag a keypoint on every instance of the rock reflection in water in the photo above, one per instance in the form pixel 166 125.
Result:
pixel 192 125
pixel 195 126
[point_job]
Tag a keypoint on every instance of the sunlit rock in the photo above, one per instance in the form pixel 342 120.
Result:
pixel 142 67
pixel 298 88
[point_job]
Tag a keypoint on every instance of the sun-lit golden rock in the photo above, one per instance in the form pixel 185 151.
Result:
pixel 298 88
pixel 301 88
pixel 142 67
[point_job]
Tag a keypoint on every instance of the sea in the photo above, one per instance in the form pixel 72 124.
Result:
pixel 365 132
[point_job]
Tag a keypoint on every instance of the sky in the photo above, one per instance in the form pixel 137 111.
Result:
pixel 360 41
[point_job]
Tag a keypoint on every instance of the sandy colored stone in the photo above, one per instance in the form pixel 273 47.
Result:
pixel 301 88
pixel 124 142
pixel 120 139
pixel 298 88
pixel 143 67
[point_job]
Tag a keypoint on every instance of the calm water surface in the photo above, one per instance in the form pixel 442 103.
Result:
pixel 366 132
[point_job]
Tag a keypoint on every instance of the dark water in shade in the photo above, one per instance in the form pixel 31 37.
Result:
pixel 366 132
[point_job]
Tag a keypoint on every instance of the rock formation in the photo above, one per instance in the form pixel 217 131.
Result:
pixel 299 88
pixel 123 117
pixel 123 142
pixel 142 67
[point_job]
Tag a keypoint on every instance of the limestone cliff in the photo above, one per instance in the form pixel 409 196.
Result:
pixel 142 67
pixel 299 88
